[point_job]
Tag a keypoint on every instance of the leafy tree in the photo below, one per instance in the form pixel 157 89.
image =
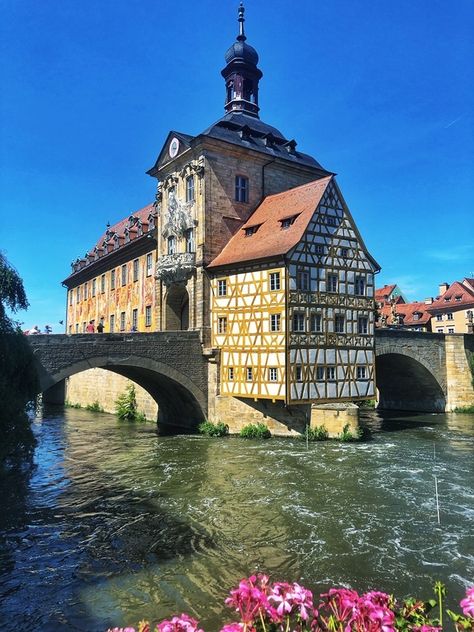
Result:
pixel 18 378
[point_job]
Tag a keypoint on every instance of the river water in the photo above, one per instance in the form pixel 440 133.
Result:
pixel 115 524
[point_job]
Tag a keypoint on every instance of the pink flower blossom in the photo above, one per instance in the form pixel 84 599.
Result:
pixel 467 604
pixel 250 598
pixel 184 623
pixel 232 627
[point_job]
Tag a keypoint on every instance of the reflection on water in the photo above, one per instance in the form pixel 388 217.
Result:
pixel 115 523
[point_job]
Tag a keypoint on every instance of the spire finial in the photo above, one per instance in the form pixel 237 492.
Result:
pixel 241 36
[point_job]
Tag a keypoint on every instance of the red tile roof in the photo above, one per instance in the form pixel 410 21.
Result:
pixel 270 240
pixel 409 312
pixel 384 291
pixel 458 296
pixel 119 228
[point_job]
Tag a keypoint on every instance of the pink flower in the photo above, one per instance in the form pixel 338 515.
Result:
pixel 232 627
pixel 250 598
pixel 184 623
pixel 467 604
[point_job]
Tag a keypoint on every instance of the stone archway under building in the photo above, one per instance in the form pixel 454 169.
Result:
pixel 177 308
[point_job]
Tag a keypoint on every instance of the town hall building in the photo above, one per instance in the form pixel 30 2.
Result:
pixel 251 243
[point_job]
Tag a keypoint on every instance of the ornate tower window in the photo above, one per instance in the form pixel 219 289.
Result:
pixel 190 189
pixel 189 237
pixel 171 245
pixel 241 189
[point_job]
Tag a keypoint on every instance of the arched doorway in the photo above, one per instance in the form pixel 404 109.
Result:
pixel 177 308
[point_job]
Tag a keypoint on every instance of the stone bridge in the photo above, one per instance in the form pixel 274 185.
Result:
pixel 423 371
pixel 414 370
pixel 169 365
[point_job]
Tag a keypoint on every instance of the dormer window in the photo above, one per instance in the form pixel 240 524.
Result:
pixel 251 230
pixel 286 222
pixel 416 316
pixel 458 298
pixel 447 298
pixel 241 189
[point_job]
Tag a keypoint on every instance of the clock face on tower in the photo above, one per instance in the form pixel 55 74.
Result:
pixel 174 147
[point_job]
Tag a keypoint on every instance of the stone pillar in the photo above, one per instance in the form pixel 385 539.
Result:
pixel 460 391
pixel 335 416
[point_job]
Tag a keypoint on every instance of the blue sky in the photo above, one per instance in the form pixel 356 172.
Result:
pixel 381 92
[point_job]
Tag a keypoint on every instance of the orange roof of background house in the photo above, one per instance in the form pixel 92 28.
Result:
pixel 270 240
pixel 408 310
pixel 386 290
pixel 457 295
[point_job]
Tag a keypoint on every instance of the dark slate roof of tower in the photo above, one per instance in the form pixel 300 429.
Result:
pixel 250 132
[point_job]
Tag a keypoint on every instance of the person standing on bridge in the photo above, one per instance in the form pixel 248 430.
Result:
pixel 100 327
pixel 90 329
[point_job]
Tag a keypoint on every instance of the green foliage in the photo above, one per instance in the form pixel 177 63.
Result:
pixel 68 404
pixel 126 407
pixel 209 429
pixel 464 409
pixel 12 294
pixel 367 403
pixel 318 433
pixel 18 379
pixel 95 407
pixel 255 431
pixel 347 435
pixel 471 366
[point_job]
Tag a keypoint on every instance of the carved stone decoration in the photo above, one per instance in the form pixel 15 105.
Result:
pixel 176 268
pixel 178 218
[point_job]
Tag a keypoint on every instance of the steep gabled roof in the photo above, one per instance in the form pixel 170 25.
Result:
pixel 269 239
pixel 458 296
pixel 384 291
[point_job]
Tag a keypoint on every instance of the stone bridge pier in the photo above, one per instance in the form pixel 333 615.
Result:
pixel 419 371
pixel 169 365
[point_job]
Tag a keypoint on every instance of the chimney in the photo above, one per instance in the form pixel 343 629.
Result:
pixel 443 287
pixel 428 300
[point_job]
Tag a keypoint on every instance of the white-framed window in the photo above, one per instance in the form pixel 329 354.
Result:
pixel 451 330
pixel 93 287
pixel 302 280
pixel 361 373
pixel 148 316
pixel 171 245
pixel 316 322
pixel 149 264
pixel 136 270
pixel 222 287
pixel 221 324
pixel 440 330
pixel 272 374
pixel 439 317
pixel 112 323
pixel 102 283
pixel 230 374
pixel 274 281
pixel 122 321
pixel 112 279
pixel 332 281
pixel 135 320
pixel 339 324
pixel 189 239
pixel 124 274
pixel 298 321
pixel 241 189
pixel 320 374
pixel 359 286
pixel 190 189
pixel 450 316
pixel 249 373
pixel 78 294
pixel 331 372
pixel 275 322
pixel 362 325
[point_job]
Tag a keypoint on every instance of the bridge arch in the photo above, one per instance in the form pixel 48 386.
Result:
pixel 406 383
pixel 171 369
